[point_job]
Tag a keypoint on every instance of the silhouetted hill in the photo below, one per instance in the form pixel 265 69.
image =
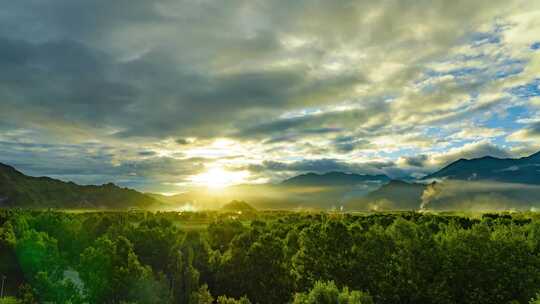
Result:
pixel 333 179
pixel 524 170
pixel 236 206
pixel 19 190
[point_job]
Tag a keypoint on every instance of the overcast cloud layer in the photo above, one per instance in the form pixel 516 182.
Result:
pixel 148 94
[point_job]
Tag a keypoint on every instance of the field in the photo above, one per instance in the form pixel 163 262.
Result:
pixel 268 257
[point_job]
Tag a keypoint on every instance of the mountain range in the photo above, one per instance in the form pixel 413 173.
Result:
pixel 334 179
pixel 525 170
pixel 486 183
pixel 475 183
pixel 19 190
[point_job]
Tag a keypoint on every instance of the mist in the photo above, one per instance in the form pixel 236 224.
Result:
pixel 480 196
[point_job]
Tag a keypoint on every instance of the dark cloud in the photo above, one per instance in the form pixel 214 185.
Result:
pixel 323 123
pixel 108 64
pixel 294 127
pixel 58 83
pixel 533 129
pixel 347 144
pixel 68 19
pixel 321 166
pixel 96 164
pixel 416 161
pixel 147 153
pixel 474 150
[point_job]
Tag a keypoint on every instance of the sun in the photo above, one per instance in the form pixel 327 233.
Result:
pixel 219 178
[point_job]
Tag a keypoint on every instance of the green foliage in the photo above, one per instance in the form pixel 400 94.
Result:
pixel 26 294
pixel 43 267
pixel 269 257
pixel 220 234
pixel 256 262
pixel 37 252
pixel 202 296
pixel 9 300
pixel 7 236
pixel 535 300
pixel 328 293
pixel 56 290
pixel 227 300
pixel 325 254
pixel 185 277
pixel 111 272
pixel 161 234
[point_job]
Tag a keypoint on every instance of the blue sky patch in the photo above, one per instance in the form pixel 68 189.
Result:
pixel 526 91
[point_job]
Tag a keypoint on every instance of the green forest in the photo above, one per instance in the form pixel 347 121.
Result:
pixel 268 257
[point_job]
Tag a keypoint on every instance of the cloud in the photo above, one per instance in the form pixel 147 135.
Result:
pixel 184 141
pixel 346 81
pixel 280 170
pixel 346 144
pixel 93 163
pixel 202 91
pixel 529 134
pixel 414 161
pixel 477 133
pixel 469 151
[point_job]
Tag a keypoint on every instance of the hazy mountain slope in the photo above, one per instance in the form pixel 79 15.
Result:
pixel 309 190
pixel 396 195
pixel 172 200
pixel 19 190
pixel 524 170
pixel 481 196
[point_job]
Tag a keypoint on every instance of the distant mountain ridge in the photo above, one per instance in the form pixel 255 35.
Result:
pixel 333 178
pixel 525 170
pixel 510 181
pixel 485 183
pixel 20 190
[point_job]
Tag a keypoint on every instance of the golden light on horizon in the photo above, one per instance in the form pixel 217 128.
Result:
pixel 219 178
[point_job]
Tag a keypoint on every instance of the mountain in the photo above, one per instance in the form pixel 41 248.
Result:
pixel 334 179
pixel 395 195
pixel 525 170
pixel 19 190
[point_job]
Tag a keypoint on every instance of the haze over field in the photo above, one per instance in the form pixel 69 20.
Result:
pixel 480 184
pixel 164 96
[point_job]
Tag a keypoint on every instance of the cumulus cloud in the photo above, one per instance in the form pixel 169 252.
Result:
pixel 469 151
pixel 349 81
pixel 413 161
pixel 529 134
pixel 277 171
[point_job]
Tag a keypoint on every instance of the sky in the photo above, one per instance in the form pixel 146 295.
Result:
pixel 166 95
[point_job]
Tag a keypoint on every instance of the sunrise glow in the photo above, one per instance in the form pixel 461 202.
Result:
pixel 219 178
